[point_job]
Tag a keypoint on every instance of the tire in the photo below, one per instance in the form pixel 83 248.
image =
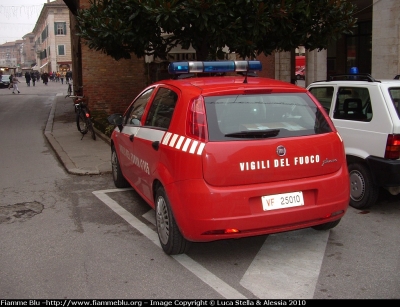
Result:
pixel 363 192
pixel 81 122
pixel 118 178
pixel 326 226
pixel 171 239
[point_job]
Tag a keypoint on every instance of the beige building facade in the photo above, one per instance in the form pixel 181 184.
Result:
pixel 52 38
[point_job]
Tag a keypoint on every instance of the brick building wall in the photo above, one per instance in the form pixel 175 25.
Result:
pixel 268 66
pixel 109 85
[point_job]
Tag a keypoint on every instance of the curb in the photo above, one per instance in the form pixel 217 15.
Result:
pixel 63 157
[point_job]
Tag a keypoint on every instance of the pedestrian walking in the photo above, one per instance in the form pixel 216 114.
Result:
pixel 62 76
pixel 28 78
pixel 15 85
pixel 11 81
pixel 33 77
pixel 45 78
pixel 68 76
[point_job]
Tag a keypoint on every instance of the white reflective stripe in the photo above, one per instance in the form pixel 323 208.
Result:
pixel 193 148
pixel 179 144
pixel 166 138
pixel 173 140
pixel 150 134
pixel 201 147
pixel 185 147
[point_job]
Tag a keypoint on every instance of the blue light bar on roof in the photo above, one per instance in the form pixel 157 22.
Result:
pixel 213 66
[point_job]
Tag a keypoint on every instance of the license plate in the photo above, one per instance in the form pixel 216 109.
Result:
pixel 280 201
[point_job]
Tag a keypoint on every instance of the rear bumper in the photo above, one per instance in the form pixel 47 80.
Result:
pixel 385 173
pixel 203 212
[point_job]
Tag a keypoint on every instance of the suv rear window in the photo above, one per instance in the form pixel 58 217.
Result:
pixel 395 95
pixel 277 115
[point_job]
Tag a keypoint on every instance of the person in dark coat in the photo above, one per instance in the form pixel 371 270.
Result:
pixel 68 76
pixel 45 78
pixel 28 78
pixel 33 78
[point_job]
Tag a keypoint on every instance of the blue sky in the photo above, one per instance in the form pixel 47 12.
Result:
pixel 18 17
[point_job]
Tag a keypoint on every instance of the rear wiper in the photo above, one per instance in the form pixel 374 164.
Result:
pixel 254 133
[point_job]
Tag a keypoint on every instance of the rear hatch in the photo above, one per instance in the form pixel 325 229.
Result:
pixel 268 138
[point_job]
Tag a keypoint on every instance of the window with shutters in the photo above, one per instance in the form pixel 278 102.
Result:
pixel 60 28
pixel 61 49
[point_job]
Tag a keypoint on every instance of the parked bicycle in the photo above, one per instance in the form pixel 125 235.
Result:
pixel 83 118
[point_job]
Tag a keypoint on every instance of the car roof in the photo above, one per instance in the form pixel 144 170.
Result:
pixel 208 85
pixel 357 82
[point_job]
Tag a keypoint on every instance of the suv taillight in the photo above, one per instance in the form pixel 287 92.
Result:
pixel 393 147
pixel 196 124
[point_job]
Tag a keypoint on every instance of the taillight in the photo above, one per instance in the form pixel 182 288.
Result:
pixel 393 147
pixel 196 123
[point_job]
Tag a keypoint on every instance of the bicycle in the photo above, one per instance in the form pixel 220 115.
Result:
pixel 83 120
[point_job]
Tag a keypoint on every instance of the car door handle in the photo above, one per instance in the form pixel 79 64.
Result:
pixel 131 137
pixel 155 145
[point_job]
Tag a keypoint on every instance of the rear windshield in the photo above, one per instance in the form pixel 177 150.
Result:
pixel 275 115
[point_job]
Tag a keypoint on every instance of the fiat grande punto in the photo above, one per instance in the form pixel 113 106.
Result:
pixel 221 155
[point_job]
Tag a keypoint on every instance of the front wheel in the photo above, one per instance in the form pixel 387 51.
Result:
pixel 363 191
pixel 171 239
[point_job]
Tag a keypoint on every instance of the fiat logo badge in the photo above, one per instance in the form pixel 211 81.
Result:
pixel 281 150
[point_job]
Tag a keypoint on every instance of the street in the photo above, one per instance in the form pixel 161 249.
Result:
pixel 78 237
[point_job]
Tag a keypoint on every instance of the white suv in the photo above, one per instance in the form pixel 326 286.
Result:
pixel 366 113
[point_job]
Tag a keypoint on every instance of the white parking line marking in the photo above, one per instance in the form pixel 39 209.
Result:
pixel 133 221
pixel 206 276
pixel 287 265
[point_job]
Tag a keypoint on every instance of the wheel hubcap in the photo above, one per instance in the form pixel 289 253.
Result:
pixel 162 220
pixel 357 186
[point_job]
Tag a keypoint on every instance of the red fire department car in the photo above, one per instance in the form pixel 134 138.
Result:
pixel 222 157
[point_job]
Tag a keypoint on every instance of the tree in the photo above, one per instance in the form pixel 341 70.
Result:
pixel 247 27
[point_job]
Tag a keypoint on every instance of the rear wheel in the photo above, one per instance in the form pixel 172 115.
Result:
pixel 171 239
pixel 118 178
pixel 91 128
pixel 363 191
pixel 81 122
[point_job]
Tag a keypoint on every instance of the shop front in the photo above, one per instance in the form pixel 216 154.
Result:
pixel 64 66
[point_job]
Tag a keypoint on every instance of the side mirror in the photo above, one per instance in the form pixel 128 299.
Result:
pixel 116 120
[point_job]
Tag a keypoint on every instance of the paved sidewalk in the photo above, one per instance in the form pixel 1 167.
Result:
pixel 79 156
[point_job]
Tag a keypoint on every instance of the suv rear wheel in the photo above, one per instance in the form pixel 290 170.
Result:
pixel 363 191
pixel 171 239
